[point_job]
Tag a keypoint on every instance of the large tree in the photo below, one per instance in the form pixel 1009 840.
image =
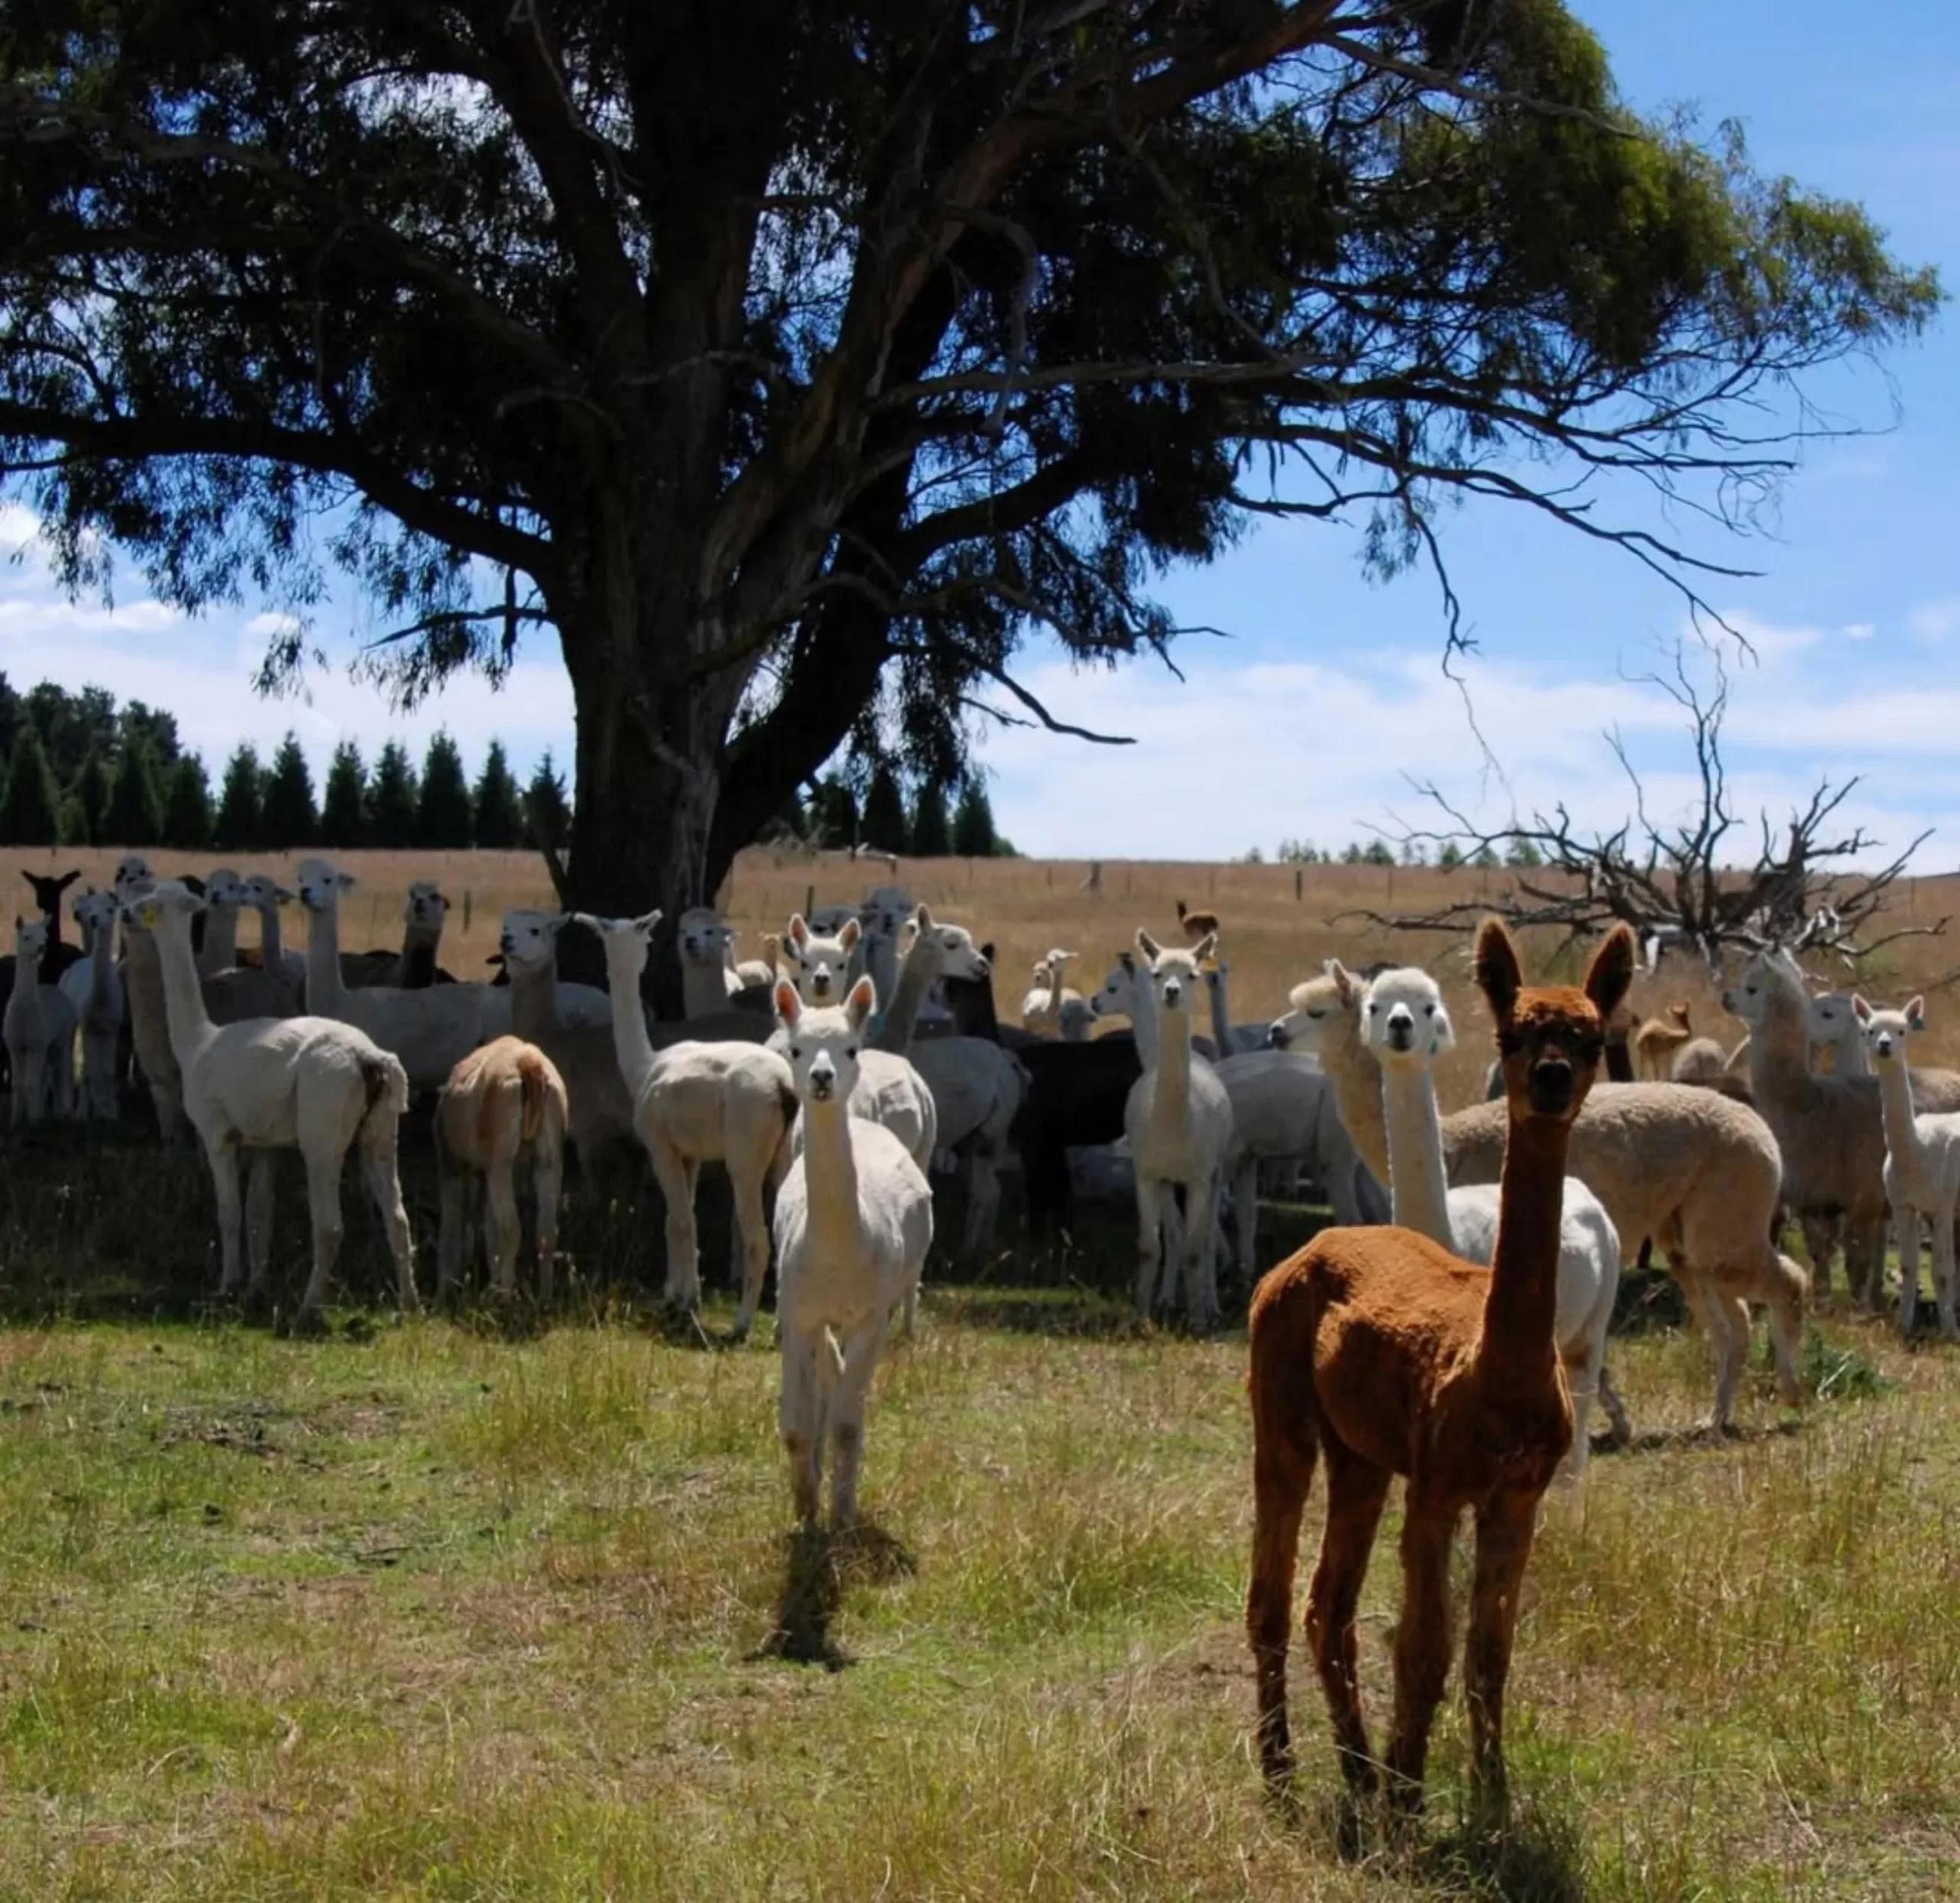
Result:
pixel 791 363
pixel 289 820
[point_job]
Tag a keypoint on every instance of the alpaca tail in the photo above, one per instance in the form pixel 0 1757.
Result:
pixel 534 1088
pixel 386 1084
pixel 1285 1442
pixel 830 1361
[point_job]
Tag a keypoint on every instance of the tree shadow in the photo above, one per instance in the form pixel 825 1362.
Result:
pixel 818 1564
pixel 1701 1434
pixel 1537 1857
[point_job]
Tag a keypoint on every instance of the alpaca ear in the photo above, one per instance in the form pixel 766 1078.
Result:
pixel 789 1004
pixel 644 927
pixel 798 933
pixel 908 936
pixel 1610 975
pixel 1148 946
pixel 853 930
pixel 1205 948
pixel 1915 1014
pixel 1860 1009
pixel 1495 965
pixel 1347 987
pixel 863 1001
pixel 1442 1033
pixel 923 916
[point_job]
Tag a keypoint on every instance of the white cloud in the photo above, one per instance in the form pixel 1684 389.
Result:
pixel 1935 620
pixel 1858 631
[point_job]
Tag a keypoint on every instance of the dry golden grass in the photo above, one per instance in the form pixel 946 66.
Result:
pixel 1271 938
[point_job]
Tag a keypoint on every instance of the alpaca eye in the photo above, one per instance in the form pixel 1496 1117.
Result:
pixel 1316 1015
pixel 1373 1010
pixel 1428 1011
pixel 795 1050
pixel 851 1050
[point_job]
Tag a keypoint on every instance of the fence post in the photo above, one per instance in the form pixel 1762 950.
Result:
pixel 1299 878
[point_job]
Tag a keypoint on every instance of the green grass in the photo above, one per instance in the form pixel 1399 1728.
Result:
pixel 435 1613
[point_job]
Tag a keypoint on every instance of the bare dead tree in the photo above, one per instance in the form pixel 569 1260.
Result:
pixel 1680 883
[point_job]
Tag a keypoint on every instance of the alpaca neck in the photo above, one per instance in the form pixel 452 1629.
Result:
pixel 829 1166
pixel 703 990
pixel 1418 1195
pixel 1850 1059
pixel 1356 1078
pixel 625 960
pixel 1779 1046
pixel 1517 1348
pixel 102 968
pixel 325 996
pixel 534 1001
pixel 271 939
pixel 1895 1095
pixel 420 943
pixel 1143 1022
pixel 221 947
pixel 879 954
pixel 1173 1066
pixel 184 1013
pixel 916 971
pixel 1221 1013
pixel 1620 1064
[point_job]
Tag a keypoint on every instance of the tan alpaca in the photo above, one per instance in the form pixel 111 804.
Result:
pixel 1656 1042
pixel 1383 1351
pixel 502 1103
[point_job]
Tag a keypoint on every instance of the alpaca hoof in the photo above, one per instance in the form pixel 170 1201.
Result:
pixel 309 1324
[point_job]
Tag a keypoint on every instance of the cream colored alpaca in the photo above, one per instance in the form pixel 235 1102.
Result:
pixel 312 1085
pixel 1656 1041
pixel 263 894
pixel 705 942
pixel 1178 1122
pixel 696 1103
pixel 1922 1164
pixel 1696 1172
pixel 1830 1130
pixel 819 961
pixel 1041 1008
pixel 40 1031
pixel 501 1104
pixel 94 987
pixel 431 1030
pixel 423 913
pixel 1406 1024
pixel 854 1221
pixel 225 894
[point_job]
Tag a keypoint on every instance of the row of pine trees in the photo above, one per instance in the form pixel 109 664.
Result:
pixel 136 799
pixel 930 826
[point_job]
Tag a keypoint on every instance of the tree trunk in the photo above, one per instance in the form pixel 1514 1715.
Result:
pixel 649 759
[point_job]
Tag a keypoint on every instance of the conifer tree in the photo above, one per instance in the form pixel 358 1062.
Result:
pixel 932 837
pixel 499 805
pixel 236 826
pixel 883 823
pixel 187 806
pixel 392 802
pixel 30 813
pixel 135 816
pixel 290 820
pixel 344 808
pixel 443 821
pixel 973 835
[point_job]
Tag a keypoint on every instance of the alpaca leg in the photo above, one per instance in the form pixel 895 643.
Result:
pixel 752 1230
pixel 506 1226
pixel 259 1217
pixel 1582 1382
pixel 1422 1644
pixel 1356 1492
pixel 1818 1234
pixel 677 1175
pixel 1201 1257
pixel 1942 1268
pixel 547 1174
pixel 797 1419
pixel 1283 1453
pixel 377 1165
pixel 1711 1309
pixel 1149 1239
pixel 983 1200
pixel 323 1174
pixel 1615 1408
pixel 222 1157
pixel 454 1222
pixel 1172 1216
pixel 1905 1222
pixel 846 1422
pixel 29 1085
pixel 1245 1210
pixel 1505 1530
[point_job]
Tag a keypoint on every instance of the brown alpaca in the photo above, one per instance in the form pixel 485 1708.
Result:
pixel 1656 1042
pixel 1197 925
pixel 1391 1355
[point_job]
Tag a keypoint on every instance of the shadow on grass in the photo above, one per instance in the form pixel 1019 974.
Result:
pixel 818 1564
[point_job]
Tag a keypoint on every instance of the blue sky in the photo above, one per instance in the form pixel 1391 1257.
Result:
pixel 1307 722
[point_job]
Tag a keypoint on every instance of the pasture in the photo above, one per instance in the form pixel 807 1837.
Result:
pixel 450 1611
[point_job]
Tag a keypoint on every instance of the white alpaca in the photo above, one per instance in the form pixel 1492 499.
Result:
pixel 1178 1121
pixel 1404 1022
pixel 1230 1037
pixel 501 1104
pixel 40 1031
pixel 431 1030
pixel 94 988
pixel 1041 1009
pixel 263 894
pixel 819 958
pixel 311 1084
pixel 225 894
pixel 1922 1163
pixel 977 1087
pixel 883 914
pixel 854 1221
pixel 707 978
pixel 697 1103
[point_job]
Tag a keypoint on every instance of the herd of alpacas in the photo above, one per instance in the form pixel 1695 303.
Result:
pixel 1452 1331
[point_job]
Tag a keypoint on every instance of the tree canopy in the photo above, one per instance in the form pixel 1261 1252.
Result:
pixel 238 826
pixel 498 804
pixel 391 800
pixel 30 810
pixel 793 365
pixel 343 805
pixel 289 820
pixel 443 819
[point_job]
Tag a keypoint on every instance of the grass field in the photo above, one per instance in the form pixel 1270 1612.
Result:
pixel 442 1611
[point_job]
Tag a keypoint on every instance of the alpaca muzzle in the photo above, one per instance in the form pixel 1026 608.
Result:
pixel 1550 1087
pixel 1276 1036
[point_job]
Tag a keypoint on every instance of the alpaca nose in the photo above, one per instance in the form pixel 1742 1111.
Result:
pixel 1551 1086
pixel 1401 1027
pixel 823 1079
pixel 1275 1035
pixel 1172 995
